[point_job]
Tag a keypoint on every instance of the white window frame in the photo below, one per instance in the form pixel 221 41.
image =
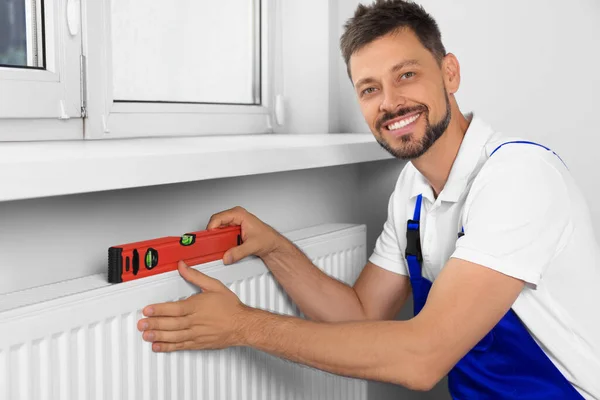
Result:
pixel 107 119
pixel 43 104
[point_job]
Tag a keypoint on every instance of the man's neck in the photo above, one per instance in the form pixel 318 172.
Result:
pixel 435 165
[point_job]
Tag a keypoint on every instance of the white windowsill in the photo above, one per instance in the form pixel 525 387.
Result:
pixel 40 169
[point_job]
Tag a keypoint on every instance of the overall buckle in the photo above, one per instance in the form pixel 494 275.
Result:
pixel 413 239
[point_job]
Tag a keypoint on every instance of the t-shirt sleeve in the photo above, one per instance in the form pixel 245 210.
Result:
pixel 388 253
pixel 516 217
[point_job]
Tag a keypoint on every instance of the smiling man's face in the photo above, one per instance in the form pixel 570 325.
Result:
pixel 401 92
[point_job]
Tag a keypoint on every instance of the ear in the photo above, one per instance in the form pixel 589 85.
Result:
pixel 451 73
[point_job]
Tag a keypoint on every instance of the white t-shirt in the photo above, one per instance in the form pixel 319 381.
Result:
pixel 524 216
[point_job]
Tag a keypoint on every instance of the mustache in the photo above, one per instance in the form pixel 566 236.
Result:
pixel 400 113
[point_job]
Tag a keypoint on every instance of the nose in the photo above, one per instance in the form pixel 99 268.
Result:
pixel 392 101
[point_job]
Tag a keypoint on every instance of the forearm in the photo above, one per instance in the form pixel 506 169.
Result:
pixel 317 295
pixel 388 351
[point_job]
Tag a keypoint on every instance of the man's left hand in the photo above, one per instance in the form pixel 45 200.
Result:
pixel 207 320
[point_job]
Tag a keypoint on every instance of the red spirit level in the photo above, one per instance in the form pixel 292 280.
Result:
pixel 141 259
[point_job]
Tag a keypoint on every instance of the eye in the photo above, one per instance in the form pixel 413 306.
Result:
pixel 407 75
pixel 368 90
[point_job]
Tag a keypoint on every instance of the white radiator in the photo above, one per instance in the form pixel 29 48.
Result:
pixel 78 340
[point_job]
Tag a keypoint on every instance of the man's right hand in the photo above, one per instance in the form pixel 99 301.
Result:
pixel 377 294
pixel 258 238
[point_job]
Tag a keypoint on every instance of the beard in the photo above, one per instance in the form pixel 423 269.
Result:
pixel 409 149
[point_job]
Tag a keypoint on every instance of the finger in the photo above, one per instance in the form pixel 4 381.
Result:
pixel 233 216
pixel 171 309
pixel 168 336
pixel 161 347
pixel 164 324
pixel 204 282
pixel 240 252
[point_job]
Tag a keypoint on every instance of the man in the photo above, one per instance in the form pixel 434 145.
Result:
pixel 491 234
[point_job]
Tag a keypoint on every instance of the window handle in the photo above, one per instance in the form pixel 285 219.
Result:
pixel 73 16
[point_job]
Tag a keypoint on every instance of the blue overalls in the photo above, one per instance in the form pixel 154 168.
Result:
pixel 507 363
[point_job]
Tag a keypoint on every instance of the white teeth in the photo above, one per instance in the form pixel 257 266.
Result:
pixel 402 123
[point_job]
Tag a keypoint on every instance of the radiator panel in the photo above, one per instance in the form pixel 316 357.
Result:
pixel 85 344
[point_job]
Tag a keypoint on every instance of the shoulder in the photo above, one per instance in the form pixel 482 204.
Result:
pixel 517 162
pixel 502 152
pixel 521 178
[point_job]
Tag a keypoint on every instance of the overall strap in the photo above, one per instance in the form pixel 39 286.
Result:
pixel 528 142
pixel 413 252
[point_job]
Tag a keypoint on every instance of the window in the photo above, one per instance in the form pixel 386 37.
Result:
pixel 21 34
pixel 189 67
pixel 196 55
pixel 102 69
pixel 39 69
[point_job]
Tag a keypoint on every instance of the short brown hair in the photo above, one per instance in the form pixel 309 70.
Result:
pixel 386 16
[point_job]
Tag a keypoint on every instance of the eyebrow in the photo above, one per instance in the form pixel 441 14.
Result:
pixel 403 64
pixel 395 68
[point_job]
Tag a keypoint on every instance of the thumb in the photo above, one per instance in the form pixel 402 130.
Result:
pixel 237 253
pixel 204 282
